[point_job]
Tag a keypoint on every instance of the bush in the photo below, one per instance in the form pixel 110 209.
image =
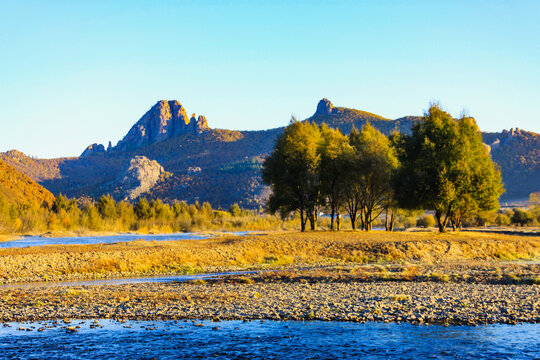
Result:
pixel 235 210
pixel 521 217
pixel 426 221
pixel 502 219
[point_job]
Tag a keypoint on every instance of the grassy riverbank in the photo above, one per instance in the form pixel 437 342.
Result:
pixel 272 250
pixel 462 278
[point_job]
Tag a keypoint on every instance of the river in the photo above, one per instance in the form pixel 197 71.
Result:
pixel 26 241
pixel 268 340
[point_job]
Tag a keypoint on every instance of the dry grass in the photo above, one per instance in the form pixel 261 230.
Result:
pixel 271 250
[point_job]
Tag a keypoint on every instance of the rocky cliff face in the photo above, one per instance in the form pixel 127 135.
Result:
pixel 163 121
pixel 93 149
pixel 137 178
pixel 324 107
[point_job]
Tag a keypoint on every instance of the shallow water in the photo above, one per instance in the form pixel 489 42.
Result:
pixel 269 340
pixel 123 281
pixel 88 240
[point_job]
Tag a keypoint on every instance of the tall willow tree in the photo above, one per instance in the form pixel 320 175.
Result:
pixel 292 172
pixel 334 151
pixel 370 169
pixel 480 181
pixel 447 168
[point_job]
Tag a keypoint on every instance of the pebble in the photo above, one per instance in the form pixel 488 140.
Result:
pixel 414 302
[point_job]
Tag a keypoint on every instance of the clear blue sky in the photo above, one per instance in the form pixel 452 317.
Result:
pixel 79 72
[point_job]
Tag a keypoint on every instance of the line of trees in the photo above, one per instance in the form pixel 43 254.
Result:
pixel 442 166
pixel 105 214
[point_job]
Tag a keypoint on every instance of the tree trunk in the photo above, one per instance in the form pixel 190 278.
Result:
pixel 338 220
pixel 459 223
pixel 369 221
pixel 332 213
pixel 302 221
pixel 353 220
pixel 440 221
pixel 312 216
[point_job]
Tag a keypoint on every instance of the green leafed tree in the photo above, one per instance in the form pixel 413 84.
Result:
pixel 446 168
pixel 334 150
pixel 107 207
pixel 143 209
pixel 62 203
pixel 369 176
pixel 292 172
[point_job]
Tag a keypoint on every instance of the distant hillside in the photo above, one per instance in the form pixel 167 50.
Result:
pixel 75 176
pixel 223 166
pixel 18 188
pixel 518 154
pixel 345 119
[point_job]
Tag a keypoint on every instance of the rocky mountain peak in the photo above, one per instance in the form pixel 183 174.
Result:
pixel 202 123
pixel 324 107
pixel 166 119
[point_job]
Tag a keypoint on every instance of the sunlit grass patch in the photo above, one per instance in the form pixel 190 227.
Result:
pixel 400 297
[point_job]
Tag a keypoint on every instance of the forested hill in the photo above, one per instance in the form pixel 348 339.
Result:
pixel 17 188
pixel 223 166
pixel 345 119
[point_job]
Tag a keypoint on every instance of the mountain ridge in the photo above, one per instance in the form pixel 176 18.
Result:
pixel 201 160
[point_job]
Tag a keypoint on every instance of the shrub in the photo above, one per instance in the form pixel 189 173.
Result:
pixel 426 221
pixel 521 217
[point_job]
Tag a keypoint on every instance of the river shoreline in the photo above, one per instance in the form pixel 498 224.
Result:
pixel 258 297
pixel 418 278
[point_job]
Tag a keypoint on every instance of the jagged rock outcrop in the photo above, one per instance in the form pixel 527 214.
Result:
pixel 494 145
pixel 138 177
pixel 164 120
pixel 93 149
pixel 324 107
pixel 201 123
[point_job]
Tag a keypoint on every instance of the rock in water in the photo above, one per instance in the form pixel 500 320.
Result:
pixel 139 177
pixel 164 120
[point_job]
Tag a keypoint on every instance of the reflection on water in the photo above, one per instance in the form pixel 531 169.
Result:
pixel 269 340
pixel 122 281
pixel 88 240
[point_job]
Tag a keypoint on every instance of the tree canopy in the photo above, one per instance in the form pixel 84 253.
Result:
pixel 442 166
pixel 311 167
pixel 445 167
pixel 292 171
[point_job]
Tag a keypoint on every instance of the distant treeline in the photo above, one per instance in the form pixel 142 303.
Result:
pixel 442 166
pixel 85 214
pixel 106 214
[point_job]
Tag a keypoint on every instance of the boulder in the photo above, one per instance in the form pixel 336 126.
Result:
pixel 139 176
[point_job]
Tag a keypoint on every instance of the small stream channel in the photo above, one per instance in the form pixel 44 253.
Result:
pixel 27 241
pixel 123 281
